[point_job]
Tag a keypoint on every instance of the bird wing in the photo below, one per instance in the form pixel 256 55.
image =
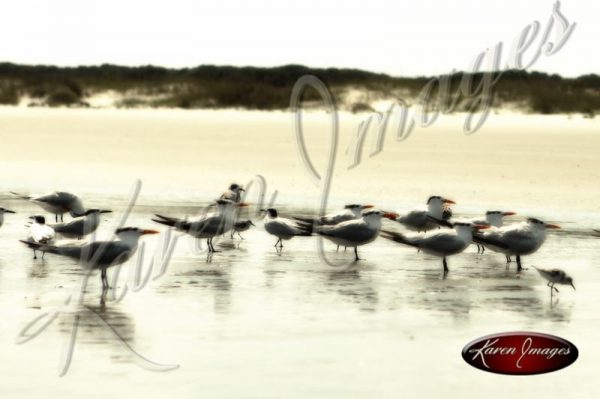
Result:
pixel 338 217
pixel 519 238
pixel 439 222
pixel 57 198
pixel 415 218
pixel 351 230
pixel 398 237
pixel 551 273
pixel 445 242
pixel 493 237
pixel 286 227
pixel 75 227
pixel 95 254
pixel 212 225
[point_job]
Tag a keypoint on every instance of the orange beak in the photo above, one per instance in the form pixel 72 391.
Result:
pixel 447 201
pixel 481 227
pixel 367 206
pixel 552 226
pixel 509 213
pixel 390 215
pixel 242 204
pixel 150 232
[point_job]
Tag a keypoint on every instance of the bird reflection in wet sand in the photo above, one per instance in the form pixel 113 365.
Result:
pixel 518 296
pixel 102 325
pixel 217 281
pixel 454 300
pixel 37 270
pixel 351 284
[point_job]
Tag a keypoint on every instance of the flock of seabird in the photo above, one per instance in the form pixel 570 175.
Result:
pixel 431 230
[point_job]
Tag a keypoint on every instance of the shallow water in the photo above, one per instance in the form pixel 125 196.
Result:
pixel 250 322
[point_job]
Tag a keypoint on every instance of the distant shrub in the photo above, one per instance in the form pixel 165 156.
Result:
pixel 210 86
pixel 62 97
pixel 74 87
pixel 131 102
pixel 9 95
pixel 361 107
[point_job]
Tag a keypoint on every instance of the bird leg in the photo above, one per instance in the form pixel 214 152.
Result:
pixel 241 238
pixel 212 247
pixel 519 268
pixel 482 249
pixel 337 249
pixel 277 242
pixel 445 265
pixel 508 259
pixel 356 258
pixel 104 280
pixel 34 255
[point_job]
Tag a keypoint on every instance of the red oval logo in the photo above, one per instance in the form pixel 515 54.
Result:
pixel 520 353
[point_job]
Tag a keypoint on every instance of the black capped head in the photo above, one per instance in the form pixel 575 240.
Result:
pixel 271 211
pixel 534 221
pixel 494 213
pixel 236 187
pixel 434 198
pixel 352 206
pixel 38 219
pixel 126 229
pixel 540 223
pixel 439 199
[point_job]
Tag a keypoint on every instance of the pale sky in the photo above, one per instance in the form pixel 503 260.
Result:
pixel 402 38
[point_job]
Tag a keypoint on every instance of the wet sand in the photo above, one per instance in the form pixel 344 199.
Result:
pixel 252 323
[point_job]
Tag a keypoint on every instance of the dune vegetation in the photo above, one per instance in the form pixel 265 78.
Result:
pixel 209 86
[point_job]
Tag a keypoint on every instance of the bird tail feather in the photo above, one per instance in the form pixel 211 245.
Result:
pixel 397 237
pixel 21 196
pixel 41 247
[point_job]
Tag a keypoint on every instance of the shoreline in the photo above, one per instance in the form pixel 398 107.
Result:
pixel 535 164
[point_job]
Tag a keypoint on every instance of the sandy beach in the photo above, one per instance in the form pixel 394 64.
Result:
pixel 251 323
pixel 522 160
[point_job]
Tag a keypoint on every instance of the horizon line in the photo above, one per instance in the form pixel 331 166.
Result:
pixel 453 72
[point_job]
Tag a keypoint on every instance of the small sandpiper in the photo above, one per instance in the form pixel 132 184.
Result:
pixel 555 276
pixel 241 226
